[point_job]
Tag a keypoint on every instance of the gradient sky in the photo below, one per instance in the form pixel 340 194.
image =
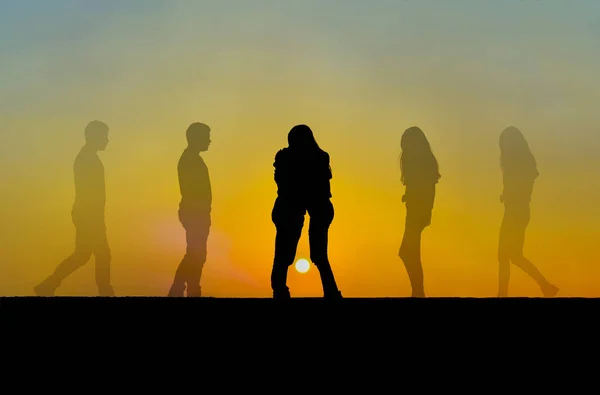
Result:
pixel 359 73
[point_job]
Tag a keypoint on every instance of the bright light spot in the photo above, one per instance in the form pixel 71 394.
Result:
pixel 302 265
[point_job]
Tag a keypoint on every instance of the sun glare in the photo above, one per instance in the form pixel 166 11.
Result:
pixel 302 265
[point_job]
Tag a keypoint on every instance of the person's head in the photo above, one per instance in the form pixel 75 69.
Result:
pixel 96 135
pixel 414 141
pixel 301 138
pixel 417 159
pixel 198 136
pixel 515 153
pixel 512 141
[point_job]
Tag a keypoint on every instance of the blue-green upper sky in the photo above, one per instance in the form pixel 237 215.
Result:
pixel 528 59
pixel 502 40
pixel 540 57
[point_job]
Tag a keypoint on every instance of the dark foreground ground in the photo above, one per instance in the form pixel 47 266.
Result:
pixel 259 312
pixel 398 329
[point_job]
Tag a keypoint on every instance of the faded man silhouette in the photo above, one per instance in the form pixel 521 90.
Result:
pixel 302 175
pixel 87 215
pixel 194 211
pixel 519 172
pixel 420 174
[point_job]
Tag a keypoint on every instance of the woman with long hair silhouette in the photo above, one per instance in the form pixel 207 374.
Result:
pixel 420 173
pixel 519 172
pixel 302 174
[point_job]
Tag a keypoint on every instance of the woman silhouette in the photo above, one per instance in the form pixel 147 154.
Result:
pixel 420 173
pixel 302 174
pixel 519 172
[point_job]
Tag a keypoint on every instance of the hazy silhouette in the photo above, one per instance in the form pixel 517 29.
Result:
pixel 87 215
pixel 519 172
pixel 302 175
pixel 194 210
pixel 420 173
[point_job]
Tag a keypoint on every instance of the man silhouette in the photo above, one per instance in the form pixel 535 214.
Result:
pixel 87 215
pixel 194 210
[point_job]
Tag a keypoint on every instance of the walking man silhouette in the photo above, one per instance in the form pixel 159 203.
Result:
pixel 87 215
pixel 194 211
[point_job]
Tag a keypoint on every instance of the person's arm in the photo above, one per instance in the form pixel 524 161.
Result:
pixel 185 179
pixel 85 180
pixel 89 187
pixel 277 164
pixel 503 188
pixel 329 172
pixel 79 175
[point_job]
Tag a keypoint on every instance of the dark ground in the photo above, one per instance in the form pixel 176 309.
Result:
pixel 397 329
pixel 262 311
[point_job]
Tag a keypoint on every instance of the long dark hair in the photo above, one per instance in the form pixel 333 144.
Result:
pixel 301 138
pixel 516 158
pixel 417 161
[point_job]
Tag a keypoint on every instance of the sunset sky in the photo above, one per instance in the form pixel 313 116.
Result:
pixel 358 73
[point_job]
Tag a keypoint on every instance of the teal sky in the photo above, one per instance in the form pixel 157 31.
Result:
pixel 506 42
pixel 540 57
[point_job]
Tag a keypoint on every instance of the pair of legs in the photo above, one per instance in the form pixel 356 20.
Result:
pixel 410 249
pixel 288 217
pixel 90 238
pixel 189 272
pixel 510 250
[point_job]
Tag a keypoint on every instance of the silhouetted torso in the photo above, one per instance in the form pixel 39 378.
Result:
pixel 194 183
pixel 90 190
pixel 302 176
pixel 420 194
pixel 518 188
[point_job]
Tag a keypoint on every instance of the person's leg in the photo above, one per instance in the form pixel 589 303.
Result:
pixel 83 251
pixel 289 220
pixel 197 248
pixel 503 276
pixel 410 253
pixel 518 230
pixel 504 245
pixel 181 274
pixel 547 288
pixel 103 257
pixel 321 217
pixel 519 260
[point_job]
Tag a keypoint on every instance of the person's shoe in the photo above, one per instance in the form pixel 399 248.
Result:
pixel 195 292
pixel 176 291
pixel 106 292
pixel 550 290
pixel 337 295
pixel 281 295
pixel 45 288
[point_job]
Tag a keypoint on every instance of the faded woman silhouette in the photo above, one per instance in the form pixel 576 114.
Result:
pixel 420 173
pixel 519 172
